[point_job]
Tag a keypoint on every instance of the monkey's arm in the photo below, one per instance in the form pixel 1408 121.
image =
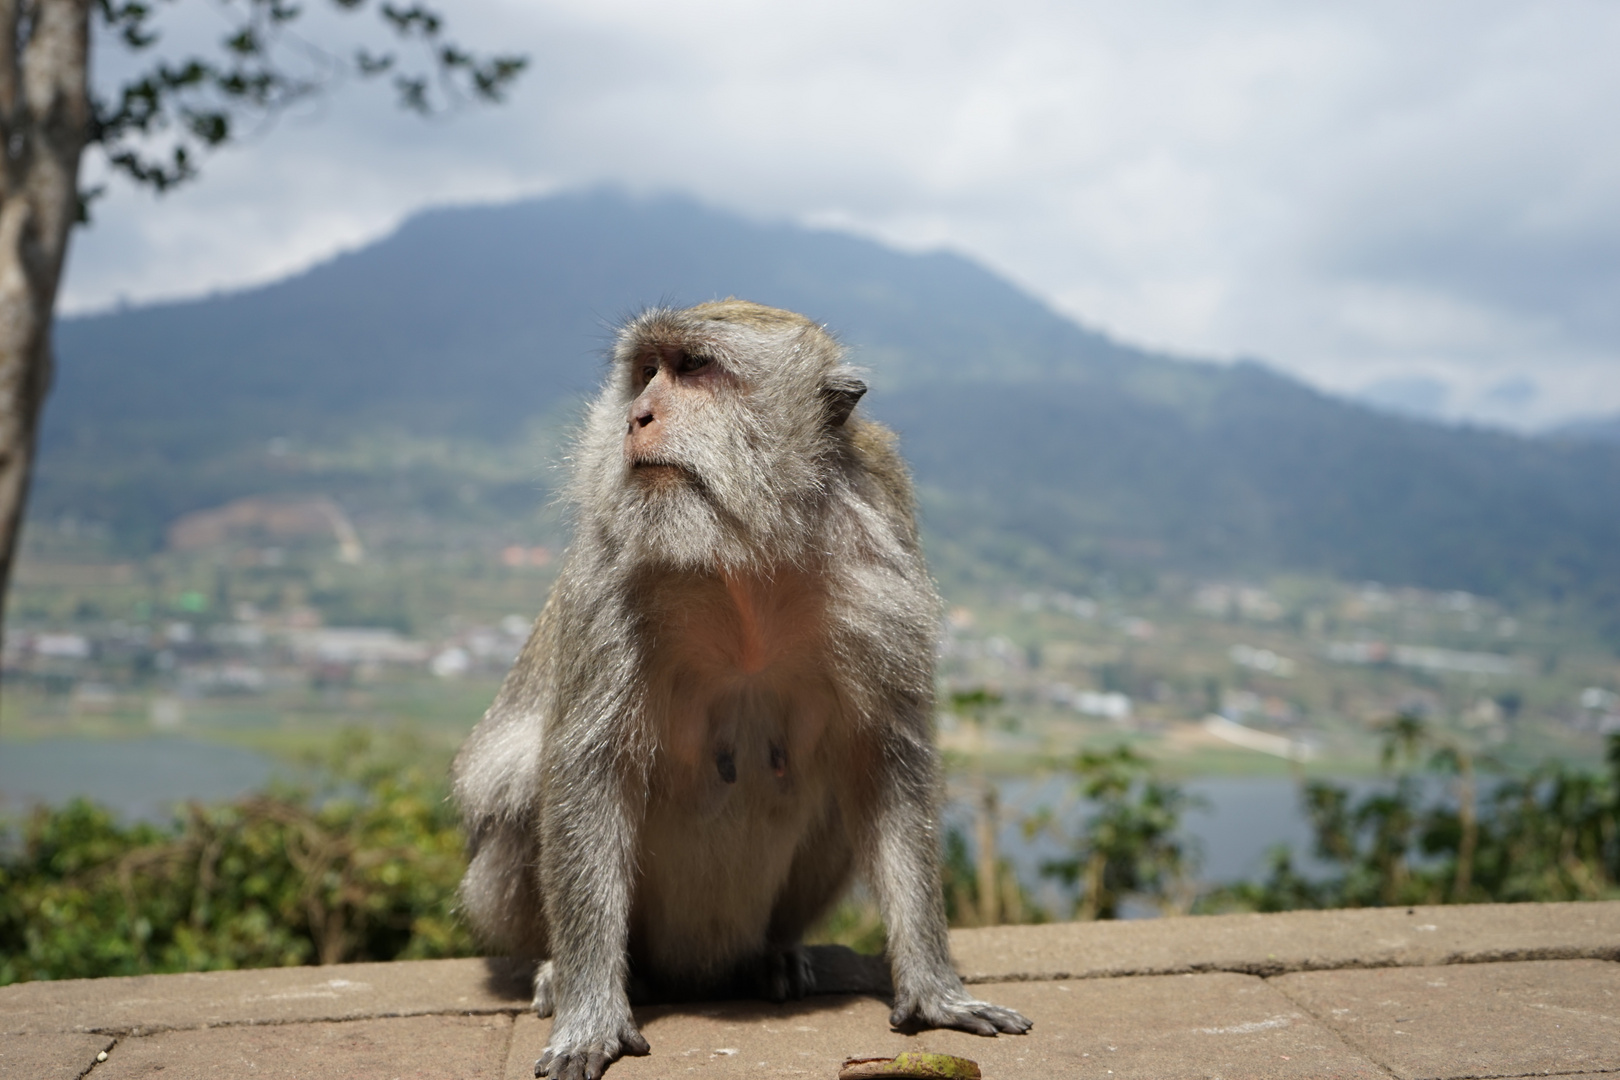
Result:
pixel 905 872
pixel 589 817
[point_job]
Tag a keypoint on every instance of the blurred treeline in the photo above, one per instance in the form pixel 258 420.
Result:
pixel 364 866
pixel 1546 835
pixel 1440 827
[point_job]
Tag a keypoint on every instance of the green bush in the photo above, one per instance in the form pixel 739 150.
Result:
pixel 365 866
pixel 365 869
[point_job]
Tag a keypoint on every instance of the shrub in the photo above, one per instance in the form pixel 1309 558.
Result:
pixel 363 869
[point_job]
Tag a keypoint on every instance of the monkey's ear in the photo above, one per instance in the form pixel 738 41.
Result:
pixel 841 391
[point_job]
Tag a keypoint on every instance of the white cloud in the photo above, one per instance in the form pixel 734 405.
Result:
pixel 1352 191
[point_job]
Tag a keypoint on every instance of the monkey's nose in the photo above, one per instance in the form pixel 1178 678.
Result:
pixel 642 420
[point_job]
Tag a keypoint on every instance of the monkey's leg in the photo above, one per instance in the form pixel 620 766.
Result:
pixel 788 974
pixel 820 874
pixel 588 836
pixel 927 991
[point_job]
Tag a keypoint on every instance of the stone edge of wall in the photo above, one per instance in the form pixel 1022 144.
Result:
pixel 1264 945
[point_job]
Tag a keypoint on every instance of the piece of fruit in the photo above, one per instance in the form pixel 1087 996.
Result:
pixel 910 1066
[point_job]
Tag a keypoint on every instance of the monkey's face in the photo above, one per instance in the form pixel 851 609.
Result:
pixel 715 440
pixel 674 386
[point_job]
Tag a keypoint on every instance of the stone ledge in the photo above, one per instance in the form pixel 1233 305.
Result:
pixel 54 1055
pixel 144 1004
pixel 1511 1019
pixel 1150 1027
pixel 1420 993
pixel 1461 1022
pixel 1247 944
pixel 463 1047
pixel 1292 941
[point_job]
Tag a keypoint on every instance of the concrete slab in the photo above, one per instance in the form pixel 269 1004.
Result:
pixel 49 1057
pixel 1291 941
pixel 1477 1020
pixel 1466 1014
pixel 419 1048
pixel 149 1003
pixel 1154 1028
pixel 1254 944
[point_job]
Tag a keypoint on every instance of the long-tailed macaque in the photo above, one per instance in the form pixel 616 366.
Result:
pixel 725 709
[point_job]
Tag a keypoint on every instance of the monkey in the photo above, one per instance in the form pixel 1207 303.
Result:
pixel 724 711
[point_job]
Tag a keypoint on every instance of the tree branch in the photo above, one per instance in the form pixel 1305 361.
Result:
pixel 198 104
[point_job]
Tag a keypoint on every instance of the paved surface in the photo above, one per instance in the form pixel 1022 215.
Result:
pixel 1443 993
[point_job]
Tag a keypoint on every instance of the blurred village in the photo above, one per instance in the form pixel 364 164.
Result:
pixel 271 619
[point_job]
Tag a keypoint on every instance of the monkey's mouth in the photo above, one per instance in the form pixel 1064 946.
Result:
pixel 660 473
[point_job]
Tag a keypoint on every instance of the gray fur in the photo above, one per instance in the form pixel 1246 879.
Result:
pixel 725 709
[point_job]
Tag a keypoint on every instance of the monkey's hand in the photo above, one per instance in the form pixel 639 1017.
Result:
pixel 584 1050
pixel 545 990
pixel 954 1009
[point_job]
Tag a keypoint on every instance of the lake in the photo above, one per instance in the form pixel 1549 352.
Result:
pixel 141 779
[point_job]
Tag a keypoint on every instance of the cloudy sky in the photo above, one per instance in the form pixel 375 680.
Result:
pixel 1419 198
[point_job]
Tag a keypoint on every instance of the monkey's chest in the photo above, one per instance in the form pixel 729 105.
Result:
pixel 738 681
pixel 747 723
pixel 722 832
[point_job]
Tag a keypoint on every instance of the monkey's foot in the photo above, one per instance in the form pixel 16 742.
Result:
pixel 544 998
pixel 962 1013
pixel 587 1057
pixel 787 973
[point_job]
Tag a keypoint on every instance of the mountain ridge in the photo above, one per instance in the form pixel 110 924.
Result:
pixel 1042 448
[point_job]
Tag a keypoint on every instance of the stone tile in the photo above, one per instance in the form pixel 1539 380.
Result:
pixel 414 1048
pixel 1291 941
pixel 1474 1020
pixel 147 1003
pixel 49 1057
pixel 528 1039
pixel 1154 1028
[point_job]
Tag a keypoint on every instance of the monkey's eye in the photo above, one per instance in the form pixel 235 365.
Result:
pixel 647 373
pixel 689 362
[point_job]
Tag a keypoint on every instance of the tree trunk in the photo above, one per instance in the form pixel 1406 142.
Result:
pixel 989 857
pixel 1468 820
pixel 44 125
pixel 1096 903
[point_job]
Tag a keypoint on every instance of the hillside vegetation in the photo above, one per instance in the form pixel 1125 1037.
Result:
pixel 429 378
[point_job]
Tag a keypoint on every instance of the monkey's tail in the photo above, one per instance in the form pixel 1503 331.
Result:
pixel 500 894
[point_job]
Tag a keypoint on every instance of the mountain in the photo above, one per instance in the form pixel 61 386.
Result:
pixel 1416 395
pixel 469 320
pixel 1600 429
pixel 1043 450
